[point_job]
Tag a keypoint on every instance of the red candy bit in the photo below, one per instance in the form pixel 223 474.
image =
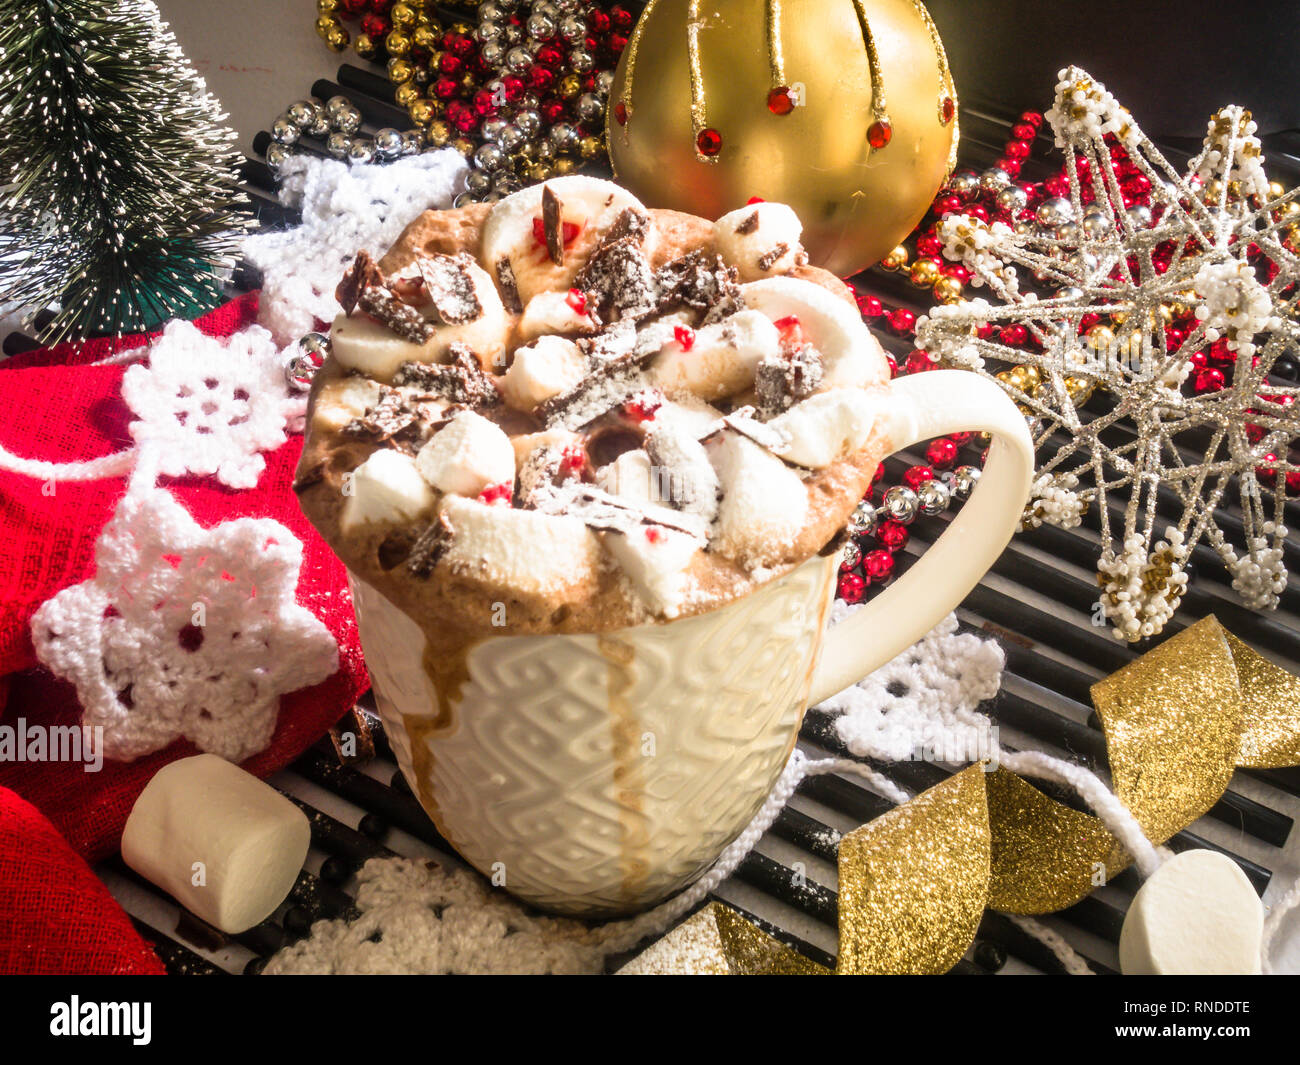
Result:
pixel 920 362
pixel 901 320
pixel 779 101
pixel 892 534
pixel 790 330
pixel 642 408
pixel 653 533
pixel 685 337
pixel 878 564
pixel 497 493
pixel 942 453
pixel 709 142
pixel 915 476
pixel 574 458
pixel 852 587
pixel 577 299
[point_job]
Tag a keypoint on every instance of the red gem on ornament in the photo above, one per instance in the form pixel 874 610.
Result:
pixel 851 587
pixel 892 534
pixel 901 320
pixel 878 564
pixel 1210 380
pixel 620 113
pixel 779 101
pixel 685 337
pixel 948 109
pixel 919 362
pixel 709 142
pixel 879 133
pixel 942 453
pixel 577 299
pixel 915 476
pixel 753 200
pixel 869 306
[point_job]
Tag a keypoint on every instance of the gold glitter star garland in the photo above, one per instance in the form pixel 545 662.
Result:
pixel 915 882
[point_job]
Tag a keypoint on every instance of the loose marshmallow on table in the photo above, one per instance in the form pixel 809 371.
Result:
pixel 759 239
pixel 467 455
pixel 654 559
pixel 764 503
pixel 721 358
pixel 545 368
pixel 1195 915
pixel 386 487
pixel 223 844
pixel 827 426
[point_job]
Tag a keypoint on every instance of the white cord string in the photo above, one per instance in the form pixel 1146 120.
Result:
pixel 1069 958
pixel 88 470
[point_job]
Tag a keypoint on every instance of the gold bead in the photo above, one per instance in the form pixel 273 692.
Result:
pixel 1033 378
pixel 327 24
pixel 403 15
pixel 426 37
pixel 896 259
pixel 421 112
pixel 397 43
pixel 465 147
pixel 564 164
pixel 1119 317
pixel 400 70
pixel 365 47
pixel 519 163
pixel 948 290
pixel 406 94
pixel 1079 389
pixel 1100 336
pixel 1276 190
pixel 328 7
pixel 463 28
pixel 468 83
pixel 569 86
pixel 924 273
pixel 591 148
pixel 438 133
pixel 539 172
pixel 338 39
pixel 1018 378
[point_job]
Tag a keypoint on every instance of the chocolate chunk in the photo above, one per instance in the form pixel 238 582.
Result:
pixel 552 226
pixel 429 547
pixel 310 476
pixel 462 380
pixel 618 281
pixel 769 258
pixel 602 511
pixel 743 421
pixel 695 280
pixel 509 287
pixel 607 385
pixel 401 318
pixel 629 223
pixel 361 275
pixel 394 420
pixel 786 378
pixel 542 472
pixel 615 341
pixel 450 287
pixel 747 224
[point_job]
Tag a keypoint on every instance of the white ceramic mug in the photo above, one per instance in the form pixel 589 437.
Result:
pixel 598 774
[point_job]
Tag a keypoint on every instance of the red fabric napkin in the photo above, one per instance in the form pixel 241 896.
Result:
pixel 56 407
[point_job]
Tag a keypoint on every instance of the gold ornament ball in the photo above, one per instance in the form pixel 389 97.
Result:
pixel 397 43
pixel 338 38
pixel 856 203
pixel 924 273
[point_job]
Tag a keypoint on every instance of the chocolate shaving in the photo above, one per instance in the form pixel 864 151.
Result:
pixel 617 340
pixel 617 280
pixel 462 380
pixel 770 257
pixel 450 287
pixel 542 472
pixel 600 510
pixel 395 420
pixel 509 287
pixel 743 421
pixel 747 224
pixel 629 223
pixel 695 280
pixel 429 547
pixel 552 226
pixel 361 275
pixel 786 378
pixel 608 384
pixel 401 318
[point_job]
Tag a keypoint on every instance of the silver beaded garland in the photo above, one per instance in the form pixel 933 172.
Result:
pixel 850 555
pixel 862 522
pixel 932 497
pixel 900 504
pixel 965 478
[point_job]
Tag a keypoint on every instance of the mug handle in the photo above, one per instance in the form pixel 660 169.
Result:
pixel 922 406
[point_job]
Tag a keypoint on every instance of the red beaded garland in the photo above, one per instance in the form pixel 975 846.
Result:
pixel 915 476
pixel 851 587
pixel 942 453
pixel 878 564
pixel 892 534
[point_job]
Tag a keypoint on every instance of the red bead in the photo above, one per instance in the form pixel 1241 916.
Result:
pixel 919 362
pixel 617 42
pixel 1023 131
pixel 485 102
pixel 1198 359
pixel 876 475
pixel 354 7
pixel 870 306
pixel 552 109
pixel 620 113
pixel 1033 118
pixel 1014 334
pixel 1087 321
pixel 445 88
pixel 942 453
pixel 621 17
pixel 1210 380
pixel 375 25
pixel 878 564
pixel 1218 352
pixel 450 64
pixel 915 476
pixel 685 337
pixel 978 210
pixel 960 439
pixel 901 320
pixel 779 101
pixel 514 87
pixel 709 142
pixel 1268 476
pixel 1010 167
pixel 947 109
pixel 1174 337
pixel 851 587
pixel 461 45
pixel 1293 482
pixel 550 56
pixel 380 7
pixel 1017 150
pixel 957 270
pixel 879 133
pixel 893 369
pixel 1254 433
pixel 892 534
pixel 599 21
pixel 984 331
pixel 928 246
pixel 949 204
pixel 540 78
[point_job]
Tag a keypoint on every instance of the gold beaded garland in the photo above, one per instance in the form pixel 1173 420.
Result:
pixel 397 43
pixel 948 290
pixel 924 273
pixel 896 259
pixel 406 94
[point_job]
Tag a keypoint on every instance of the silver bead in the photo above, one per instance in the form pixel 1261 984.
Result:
pixel 528 121
pixel 540 27
pixel 518 60
pixel 1096 225
pixel 994 180
pixel 581 61
pixel 1070 293
pixel 491 129
pixel 463 198
pixel 1054 212
pixel 336 106
pixel 966 478
pixel 301 367
pixel 563 137
pixel 1140 215
pixel 491 11
pixel 320 126
pixel 478 181
pixel 362 150
pixel 490 157
pixel 277 155
pixel 604 82
pixel 590 107
pixel 850 554
pixel 510 138
pixel 284 130
pixel 1013 199
pixel 513 34
pixel 932 497
pixel 505 183
pixel 337 144
pixel 302 113
pixel 862 522
pixel 348 121
pixel 412 141
pixel 1068 233
pixel 901 504
pixel 544 151
pixel 493 53
pixel 964 182
pixel 488 31
pixel 528 99
pixel 388 143
pixel 573 29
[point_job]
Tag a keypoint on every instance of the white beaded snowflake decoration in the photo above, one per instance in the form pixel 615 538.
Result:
pixel 1151 334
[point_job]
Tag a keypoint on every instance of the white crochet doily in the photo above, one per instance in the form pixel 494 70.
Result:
pixel 345 209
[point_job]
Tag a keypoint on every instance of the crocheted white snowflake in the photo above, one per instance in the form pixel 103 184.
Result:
pixel 208 406
pixel 922 705
pixel 184 631
pixel 345 209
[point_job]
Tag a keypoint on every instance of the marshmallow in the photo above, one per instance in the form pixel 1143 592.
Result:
pixel 557 436
pixel 654 559
pixel 1195 915
pixel 827 426
pixel 387 487
pixel 545 368
pixel 361 343
pixel 721 358
pixel 764 503
pixel 344 400
pixel 629 476
pixel 223 844
pixel 467 455
pixel 759 239
pixel 550 313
